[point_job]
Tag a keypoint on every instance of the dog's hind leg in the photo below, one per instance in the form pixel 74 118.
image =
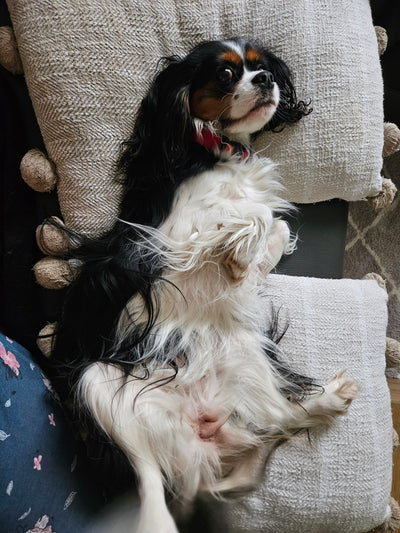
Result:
pixel 154 513
pixel 109 395
pixel 322 407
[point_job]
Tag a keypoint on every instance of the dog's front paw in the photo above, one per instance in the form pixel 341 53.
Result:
pixel 241 247
pixel 279 244
pixel 237 272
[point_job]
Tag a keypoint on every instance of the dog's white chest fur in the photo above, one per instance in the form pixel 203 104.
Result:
pixel 225 217
pixel 231 190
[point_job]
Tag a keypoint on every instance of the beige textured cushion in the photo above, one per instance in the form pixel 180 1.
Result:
pixel 87 65
pixel 341 483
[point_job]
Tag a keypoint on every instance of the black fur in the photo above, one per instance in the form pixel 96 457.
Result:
pixel 299 385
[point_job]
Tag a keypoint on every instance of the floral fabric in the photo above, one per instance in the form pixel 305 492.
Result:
pixel 43 486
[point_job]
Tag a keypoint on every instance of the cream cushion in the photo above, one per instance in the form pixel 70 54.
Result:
pixel 88 64
pixel 338 481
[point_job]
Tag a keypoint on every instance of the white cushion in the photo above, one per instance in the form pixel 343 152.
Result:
pixel 340 481
pixel 88 64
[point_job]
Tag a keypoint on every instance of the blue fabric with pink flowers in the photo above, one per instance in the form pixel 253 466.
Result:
pixel 43 484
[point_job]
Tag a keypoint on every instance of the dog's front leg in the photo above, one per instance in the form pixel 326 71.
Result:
pixel 279 244
pixel 154 514
pixel 243 241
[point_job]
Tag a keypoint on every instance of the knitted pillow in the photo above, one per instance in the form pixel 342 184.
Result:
pixel 88 64
pixel 339 480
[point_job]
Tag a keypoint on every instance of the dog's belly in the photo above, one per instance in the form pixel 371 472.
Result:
pixel 195 428
pixel 206 430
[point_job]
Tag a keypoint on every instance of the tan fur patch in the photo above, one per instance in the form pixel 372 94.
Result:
pixel 206 106
pixel 232 57
pixel 253 55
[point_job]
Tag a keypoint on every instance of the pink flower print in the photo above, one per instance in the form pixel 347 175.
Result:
pixel 47 384
pixel 9 359
pixel 51 418
pixel 37 463
pixel 42 526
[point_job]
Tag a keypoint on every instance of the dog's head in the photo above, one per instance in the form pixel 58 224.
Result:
pixel 237 85
pixel 240 86
pixel 235 88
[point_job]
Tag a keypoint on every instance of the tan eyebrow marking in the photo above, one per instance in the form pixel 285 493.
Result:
pixel 253 55
pixel 231 56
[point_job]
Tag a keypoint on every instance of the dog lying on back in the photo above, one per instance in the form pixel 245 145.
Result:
pixel 160 340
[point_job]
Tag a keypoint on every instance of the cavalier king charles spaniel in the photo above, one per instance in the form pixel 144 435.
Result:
pixel 160 340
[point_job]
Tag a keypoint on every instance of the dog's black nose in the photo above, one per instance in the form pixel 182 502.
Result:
pixel 263 78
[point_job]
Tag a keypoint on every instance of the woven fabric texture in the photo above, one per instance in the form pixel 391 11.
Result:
pixel 339 481
pixel 88 64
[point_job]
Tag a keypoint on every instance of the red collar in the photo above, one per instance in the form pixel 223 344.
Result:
pixel 221 146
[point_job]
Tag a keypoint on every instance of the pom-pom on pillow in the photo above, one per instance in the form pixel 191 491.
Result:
pixel 88 64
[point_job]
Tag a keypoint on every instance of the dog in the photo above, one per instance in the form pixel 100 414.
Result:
pixel 160 341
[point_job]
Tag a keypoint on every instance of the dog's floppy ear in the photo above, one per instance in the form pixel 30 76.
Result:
pixel 290 109
pixel 164 115
pixel 164 124
pixel 154 156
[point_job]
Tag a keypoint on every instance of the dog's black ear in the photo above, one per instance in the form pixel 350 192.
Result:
pixel 163 125
pixel 155 154
pixel 164 117
pixel 290 109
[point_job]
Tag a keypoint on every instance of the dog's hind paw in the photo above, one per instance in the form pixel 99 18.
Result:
pixel 333 401
pixel 338 395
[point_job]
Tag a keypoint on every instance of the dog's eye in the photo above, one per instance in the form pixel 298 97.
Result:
pixel 260 66
pixel 224 74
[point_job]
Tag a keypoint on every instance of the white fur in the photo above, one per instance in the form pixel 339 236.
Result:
pixel 245 94
pixel 206 429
